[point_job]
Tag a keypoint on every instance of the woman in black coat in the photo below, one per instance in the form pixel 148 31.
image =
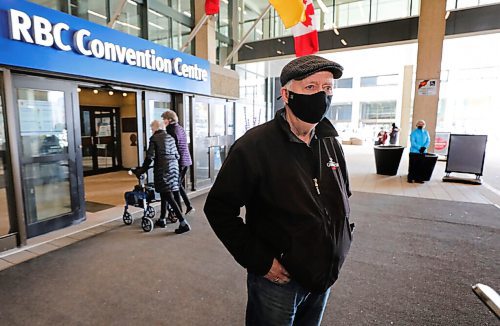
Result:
pixel 163 152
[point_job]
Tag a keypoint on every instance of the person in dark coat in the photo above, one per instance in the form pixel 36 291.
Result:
pixel 175 130
pixel 393 136
pixel 163 152
pixel 291 176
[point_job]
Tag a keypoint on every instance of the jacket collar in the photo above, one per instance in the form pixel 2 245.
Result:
pixel 323 129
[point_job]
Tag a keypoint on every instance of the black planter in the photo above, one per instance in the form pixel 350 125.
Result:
pixel 387 159
pixel 425 166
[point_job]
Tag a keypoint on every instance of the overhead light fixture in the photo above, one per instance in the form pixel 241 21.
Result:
pixel 110 93
pixel 279 52
pixel 95 91
pixel 93 13
pixel 343 42
pixel 447 14
pixel 335 30
pixel 156 25
pixel 248 47
pixel 156 13
pixel 79 89
pixel 124 94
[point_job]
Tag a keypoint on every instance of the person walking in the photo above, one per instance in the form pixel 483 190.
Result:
pixel 291 176
pixel 175 130
pixel 393 135
pixel 163 152
pixel 420 140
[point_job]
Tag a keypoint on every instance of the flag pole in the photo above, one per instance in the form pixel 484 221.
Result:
pixel 195 31
pixel 240 44
pixel 117 13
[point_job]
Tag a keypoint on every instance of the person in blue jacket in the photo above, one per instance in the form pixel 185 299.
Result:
pixel 420 140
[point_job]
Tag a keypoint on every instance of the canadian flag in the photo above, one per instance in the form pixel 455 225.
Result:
pixel 305 35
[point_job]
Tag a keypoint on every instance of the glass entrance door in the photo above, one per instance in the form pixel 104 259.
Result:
pixel 7 201
pixel 100 145
pixel 50 182
pixel 213 134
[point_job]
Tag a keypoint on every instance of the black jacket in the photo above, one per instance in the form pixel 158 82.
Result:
pixel 272 173
pixel 163 151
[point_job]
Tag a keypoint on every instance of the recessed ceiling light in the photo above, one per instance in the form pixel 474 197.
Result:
pixel 95 91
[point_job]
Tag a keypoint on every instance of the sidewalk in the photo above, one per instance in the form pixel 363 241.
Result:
pixel 363 178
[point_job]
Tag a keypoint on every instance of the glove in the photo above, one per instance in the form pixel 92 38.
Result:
pixel 422 150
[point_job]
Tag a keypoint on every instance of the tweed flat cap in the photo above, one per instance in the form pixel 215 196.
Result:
pixel 305 66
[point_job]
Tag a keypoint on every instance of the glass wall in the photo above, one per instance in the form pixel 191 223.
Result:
pixel 339 13
pixel 129 20
pixel 251 108
pixel 169 22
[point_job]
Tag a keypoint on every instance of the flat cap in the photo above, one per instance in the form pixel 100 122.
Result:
pixel 307 65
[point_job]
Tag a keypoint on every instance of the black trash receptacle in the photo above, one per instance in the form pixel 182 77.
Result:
pixel 426 167
pixel 387 159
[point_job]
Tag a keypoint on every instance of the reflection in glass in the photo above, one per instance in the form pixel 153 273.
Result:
pixel 92 10
pixel 42 122
pixel 46 189
pixel 156 109
pixel 200 135
pixel 159 29
pixel 217 120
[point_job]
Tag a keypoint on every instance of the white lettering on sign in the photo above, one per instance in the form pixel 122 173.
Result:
pixel 40 31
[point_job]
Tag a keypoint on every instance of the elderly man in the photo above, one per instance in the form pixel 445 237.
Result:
pixel 291 176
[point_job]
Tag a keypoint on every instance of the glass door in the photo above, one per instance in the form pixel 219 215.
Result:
pixel 51 188
pixel 213 134
pixel 100 141
pixel 7 222
pixel 201 144
pixel 155 105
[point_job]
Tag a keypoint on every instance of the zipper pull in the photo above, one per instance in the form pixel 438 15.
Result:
pixel 316 185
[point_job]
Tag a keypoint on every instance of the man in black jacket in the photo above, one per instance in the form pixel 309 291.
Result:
pixel 291 176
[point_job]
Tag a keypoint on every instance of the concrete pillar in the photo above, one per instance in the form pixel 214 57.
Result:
pixel 405 123
pixel 205 43
pixel 431 29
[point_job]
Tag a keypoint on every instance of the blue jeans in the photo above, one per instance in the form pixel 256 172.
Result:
pixel 282 304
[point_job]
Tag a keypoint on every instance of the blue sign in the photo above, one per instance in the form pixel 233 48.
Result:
pixel 32 36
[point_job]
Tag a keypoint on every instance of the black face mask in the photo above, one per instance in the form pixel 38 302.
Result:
pixel 420 127
pixel 309 108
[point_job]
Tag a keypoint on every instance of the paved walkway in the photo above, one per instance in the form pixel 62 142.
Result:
pixel 412 262
pixel 109 189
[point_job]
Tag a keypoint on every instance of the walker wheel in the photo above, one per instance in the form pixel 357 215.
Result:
pixel 147 224
pixel 127 218
pixel 150 212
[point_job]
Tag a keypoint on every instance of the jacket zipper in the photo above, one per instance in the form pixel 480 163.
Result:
pixel 327 224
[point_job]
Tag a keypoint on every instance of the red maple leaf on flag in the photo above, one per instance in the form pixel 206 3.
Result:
pixel 309 12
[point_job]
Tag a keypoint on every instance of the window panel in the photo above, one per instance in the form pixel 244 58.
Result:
pixel 378 110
